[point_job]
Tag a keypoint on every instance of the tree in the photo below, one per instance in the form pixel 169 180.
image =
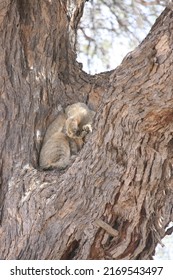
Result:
pixel 115 200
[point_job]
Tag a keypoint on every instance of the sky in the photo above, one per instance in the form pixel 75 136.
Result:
pixel 116 46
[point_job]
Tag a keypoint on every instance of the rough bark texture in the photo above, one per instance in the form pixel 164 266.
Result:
pixel 116 200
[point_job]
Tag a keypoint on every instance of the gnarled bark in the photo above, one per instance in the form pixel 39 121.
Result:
pixel 115 201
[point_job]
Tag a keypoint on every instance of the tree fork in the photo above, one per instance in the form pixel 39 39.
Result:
pixel 123 175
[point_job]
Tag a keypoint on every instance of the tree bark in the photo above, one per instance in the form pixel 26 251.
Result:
pixel 116 200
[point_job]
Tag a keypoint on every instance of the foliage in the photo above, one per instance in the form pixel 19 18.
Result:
pixel 111 27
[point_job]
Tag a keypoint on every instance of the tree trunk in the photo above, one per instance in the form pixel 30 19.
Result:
pixel 116 199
